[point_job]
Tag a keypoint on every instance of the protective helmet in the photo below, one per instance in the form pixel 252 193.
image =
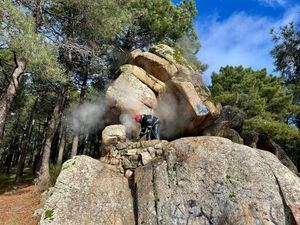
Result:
pixel 137 117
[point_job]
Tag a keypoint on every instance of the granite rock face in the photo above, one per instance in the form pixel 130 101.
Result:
pixel 211 180
pixel 228 125
pixel 195 180
pixel 130 94
pixel 89 192
pixel 269 145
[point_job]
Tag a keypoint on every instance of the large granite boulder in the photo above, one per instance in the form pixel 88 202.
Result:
pixel 153 64
pixel 250 138
pixel 220 129
pixel 152 82
pixel 211 180
pixel 228 125
pixel 161 82
pixel 130 94
pixel 113 134
pixel 185 72
pixel 88 192
pixel 269 145
pixel 194 180
pixel 172 55
pixel 233 115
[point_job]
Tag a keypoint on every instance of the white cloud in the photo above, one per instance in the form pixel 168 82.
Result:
pixel 273 3
pixel 241 39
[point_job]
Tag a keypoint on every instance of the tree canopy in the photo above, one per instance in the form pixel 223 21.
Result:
pixel 55 54
pixel 263 99
pixel 19 39
pixel 286 54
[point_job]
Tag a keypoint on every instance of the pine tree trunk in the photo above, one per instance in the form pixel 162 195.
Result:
pixel 62 143
pixel 38 13
pixel 43 174
pixel 75 145
pixel 25 141
pixel 11 91
pixel 81 148
pixel 13 141
pixel 81 100
pixel 24 150
pixel 10 155
pixel 41 139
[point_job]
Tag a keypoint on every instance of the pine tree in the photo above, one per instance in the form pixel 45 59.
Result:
pixel 263 99
pixel 28 53
pixel 286 54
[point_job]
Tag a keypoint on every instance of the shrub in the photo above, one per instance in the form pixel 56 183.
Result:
pixel 54 171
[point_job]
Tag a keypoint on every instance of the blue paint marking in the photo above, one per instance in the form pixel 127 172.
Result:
pixel 202 110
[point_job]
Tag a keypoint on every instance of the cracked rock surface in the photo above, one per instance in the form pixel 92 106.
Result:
pixel 211 180
pixel 196 180
pixel 88 192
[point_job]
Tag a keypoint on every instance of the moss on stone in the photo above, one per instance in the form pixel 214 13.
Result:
pixel 176 55
pixel 232 196
pixel 49 214
pixel 68 164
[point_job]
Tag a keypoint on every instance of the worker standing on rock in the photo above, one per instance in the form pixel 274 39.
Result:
pixel 149 126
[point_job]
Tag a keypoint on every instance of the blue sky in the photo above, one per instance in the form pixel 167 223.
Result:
pixel 237 32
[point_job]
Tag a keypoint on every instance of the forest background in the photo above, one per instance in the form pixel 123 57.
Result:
pixel 58 57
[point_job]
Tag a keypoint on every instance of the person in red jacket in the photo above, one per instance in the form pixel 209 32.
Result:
pixel 149 126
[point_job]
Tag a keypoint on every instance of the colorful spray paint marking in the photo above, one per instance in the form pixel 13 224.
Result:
pixel 201 109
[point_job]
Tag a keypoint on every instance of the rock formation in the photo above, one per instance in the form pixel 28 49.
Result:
pixel 161 82
pixel 195 180
pixel 229 125
pixel 88 192
pixel 203 180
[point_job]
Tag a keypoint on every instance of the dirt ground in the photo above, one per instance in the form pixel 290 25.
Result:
pixel 18 205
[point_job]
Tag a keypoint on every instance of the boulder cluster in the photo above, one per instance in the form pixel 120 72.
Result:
pixel 195 180
pixel 213 179
pixel 230 125
pixel 161 82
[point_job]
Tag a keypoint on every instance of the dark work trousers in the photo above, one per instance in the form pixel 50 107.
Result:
pixel 152 132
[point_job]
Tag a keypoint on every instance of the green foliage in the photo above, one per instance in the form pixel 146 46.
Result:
pixel 91 20
pixel 279 131
pixel 157 21
pixel 163 19
pixel 54 171
pixel 254 92
pixel 19 38
pixel 95 35
pixel 232 196
pixel 286 54
pixel 263 99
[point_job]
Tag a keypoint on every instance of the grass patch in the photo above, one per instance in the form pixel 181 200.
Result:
pixel 49 214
